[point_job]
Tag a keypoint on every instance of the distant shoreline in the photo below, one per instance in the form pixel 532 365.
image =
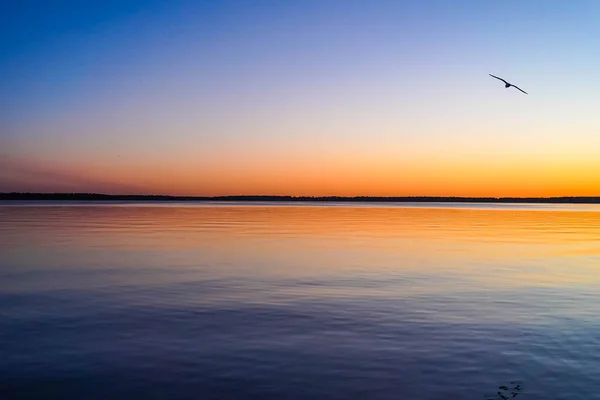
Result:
pixel 267 198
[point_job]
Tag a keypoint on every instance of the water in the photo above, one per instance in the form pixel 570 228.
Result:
pixel 162 301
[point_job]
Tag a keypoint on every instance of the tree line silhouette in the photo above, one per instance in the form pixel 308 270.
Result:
pixel 269 198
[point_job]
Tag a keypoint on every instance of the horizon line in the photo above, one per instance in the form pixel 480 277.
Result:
pixel 84 196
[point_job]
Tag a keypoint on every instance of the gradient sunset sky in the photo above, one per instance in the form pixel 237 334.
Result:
pixel 328 97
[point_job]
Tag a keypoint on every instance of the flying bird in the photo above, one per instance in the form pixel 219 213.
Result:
pixel 507 85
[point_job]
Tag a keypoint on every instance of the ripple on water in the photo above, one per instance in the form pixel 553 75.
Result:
pixel 235 301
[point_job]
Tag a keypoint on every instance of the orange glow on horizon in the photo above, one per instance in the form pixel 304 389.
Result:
pixel 353 174
pixel 474 178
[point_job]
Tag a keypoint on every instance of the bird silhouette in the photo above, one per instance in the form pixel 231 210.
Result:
pixel 507 85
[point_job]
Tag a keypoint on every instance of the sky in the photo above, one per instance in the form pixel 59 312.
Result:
pixel 312 97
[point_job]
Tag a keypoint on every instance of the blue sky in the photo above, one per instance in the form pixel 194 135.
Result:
pixel 199 92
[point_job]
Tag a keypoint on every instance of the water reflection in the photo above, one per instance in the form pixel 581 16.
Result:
pixel 300 302
pixel 450 241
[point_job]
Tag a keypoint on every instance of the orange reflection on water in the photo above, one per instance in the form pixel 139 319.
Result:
pixel 488 247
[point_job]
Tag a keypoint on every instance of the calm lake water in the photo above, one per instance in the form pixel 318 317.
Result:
pixel 165 301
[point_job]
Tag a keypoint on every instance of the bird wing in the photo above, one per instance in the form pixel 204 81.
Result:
pixel 494 76
pixel 516 87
